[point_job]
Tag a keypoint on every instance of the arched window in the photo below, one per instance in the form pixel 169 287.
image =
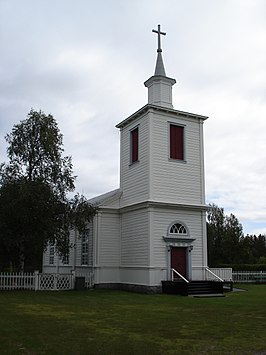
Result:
pixel 178 228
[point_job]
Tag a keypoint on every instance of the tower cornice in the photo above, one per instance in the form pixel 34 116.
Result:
pixel 159 78
pixel 155 108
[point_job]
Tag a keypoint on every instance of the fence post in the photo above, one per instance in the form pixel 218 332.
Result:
pixel 73 276
pixel 36 280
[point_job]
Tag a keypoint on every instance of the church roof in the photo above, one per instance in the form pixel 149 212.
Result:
pixel 158 108
pixel 105 198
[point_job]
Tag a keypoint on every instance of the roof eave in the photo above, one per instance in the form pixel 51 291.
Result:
pixel 158 108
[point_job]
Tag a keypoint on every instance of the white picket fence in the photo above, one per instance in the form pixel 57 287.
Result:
pixel 41 282
pixel 249 276
pixel 17 281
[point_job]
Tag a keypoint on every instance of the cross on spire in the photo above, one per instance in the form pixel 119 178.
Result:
pixel 159 38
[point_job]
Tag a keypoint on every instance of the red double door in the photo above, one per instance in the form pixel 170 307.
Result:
pixel 179 261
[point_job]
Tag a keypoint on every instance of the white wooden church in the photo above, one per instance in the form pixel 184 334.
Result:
pixel 152 228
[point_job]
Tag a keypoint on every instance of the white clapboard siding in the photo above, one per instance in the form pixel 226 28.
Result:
pixel 176 181
pixel 155 176
pixel 162 219
pixel 109 239
pixel 135 238
pixel 134 177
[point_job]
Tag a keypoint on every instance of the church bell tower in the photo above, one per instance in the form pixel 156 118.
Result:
pixel 162 204
pixel 162 148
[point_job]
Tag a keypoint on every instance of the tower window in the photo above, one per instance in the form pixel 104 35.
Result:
pixel 134 140
pixel 177 228
pixel 176 142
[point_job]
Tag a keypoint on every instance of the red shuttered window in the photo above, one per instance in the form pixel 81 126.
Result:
pixel 176 142
pixel 135 145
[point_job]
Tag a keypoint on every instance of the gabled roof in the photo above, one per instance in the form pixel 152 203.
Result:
pixel 106 199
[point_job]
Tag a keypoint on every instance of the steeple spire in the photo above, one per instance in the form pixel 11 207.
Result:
pixel 159 85
pixel 159 68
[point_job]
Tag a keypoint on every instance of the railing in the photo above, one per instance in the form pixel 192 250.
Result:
pixel 173 271
pixel 211 274
pixel 208 271
pixel 224 273
pixel 249 276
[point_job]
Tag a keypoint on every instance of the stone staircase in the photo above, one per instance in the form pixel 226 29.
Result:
pixel 193 288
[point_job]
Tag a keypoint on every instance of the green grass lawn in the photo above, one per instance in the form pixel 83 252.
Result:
pixel 117 322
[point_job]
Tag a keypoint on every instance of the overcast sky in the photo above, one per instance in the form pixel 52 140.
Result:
pixel 85 62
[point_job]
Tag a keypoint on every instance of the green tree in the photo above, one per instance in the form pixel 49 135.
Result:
pixel 259 250
pixel 29 214
pixel 35 153
pixel 254 248
pixel 34 208
pixel 232 237
pixel 223 235
pixel 246 245
pixel 215 234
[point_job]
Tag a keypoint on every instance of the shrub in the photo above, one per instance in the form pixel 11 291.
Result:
pixel 245 267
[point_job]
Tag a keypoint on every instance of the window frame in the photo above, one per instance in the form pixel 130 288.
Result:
pixel 181 229
pixel 183 127
pixel 133 149
pixel 84 257
pixel 65 259
pixel 182 225
pixel 52 254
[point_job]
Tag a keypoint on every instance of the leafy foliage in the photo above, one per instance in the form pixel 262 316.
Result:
pixel 253 249
pixel 245 267
pixel 227 243
pixel 28 218
pixel 34 208
pixel 35 153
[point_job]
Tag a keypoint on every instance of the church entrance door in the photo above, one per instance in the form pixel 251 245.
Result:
pixel 179 261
